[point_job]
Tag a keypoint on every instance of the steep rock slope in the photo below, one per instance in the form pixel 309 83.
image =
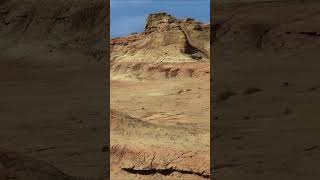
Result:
pixel 165 39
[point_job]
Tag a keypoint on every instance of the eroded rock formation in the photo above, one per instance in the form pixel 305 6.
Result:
pixel 165 39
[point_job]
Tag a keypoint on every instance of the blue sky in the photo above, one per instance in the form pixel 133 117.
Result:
pixel 129 16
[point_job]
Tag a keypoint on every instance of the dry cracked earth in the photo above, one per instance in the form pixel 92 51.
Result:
pixel 160 101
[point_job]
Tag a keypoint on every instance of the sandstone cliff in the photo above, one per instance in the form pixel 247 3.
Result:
pixel 165 39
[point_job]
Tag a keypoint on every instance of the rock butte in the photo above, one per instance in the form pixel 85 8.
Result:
pixel 164 37
pixel 168 47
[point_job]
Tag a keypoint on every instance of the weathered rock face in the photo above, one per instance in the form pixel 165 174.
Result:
pixel 160 21
pixel 165 39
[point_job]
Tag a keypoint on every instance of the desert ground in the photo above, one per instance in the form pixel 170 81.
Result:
pixel 52 90
pixel 266 61
pixel 159 99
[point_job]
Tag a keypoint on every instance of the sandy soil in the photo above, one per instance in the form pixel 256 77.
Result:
pixel 267 90
pixel 169 125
